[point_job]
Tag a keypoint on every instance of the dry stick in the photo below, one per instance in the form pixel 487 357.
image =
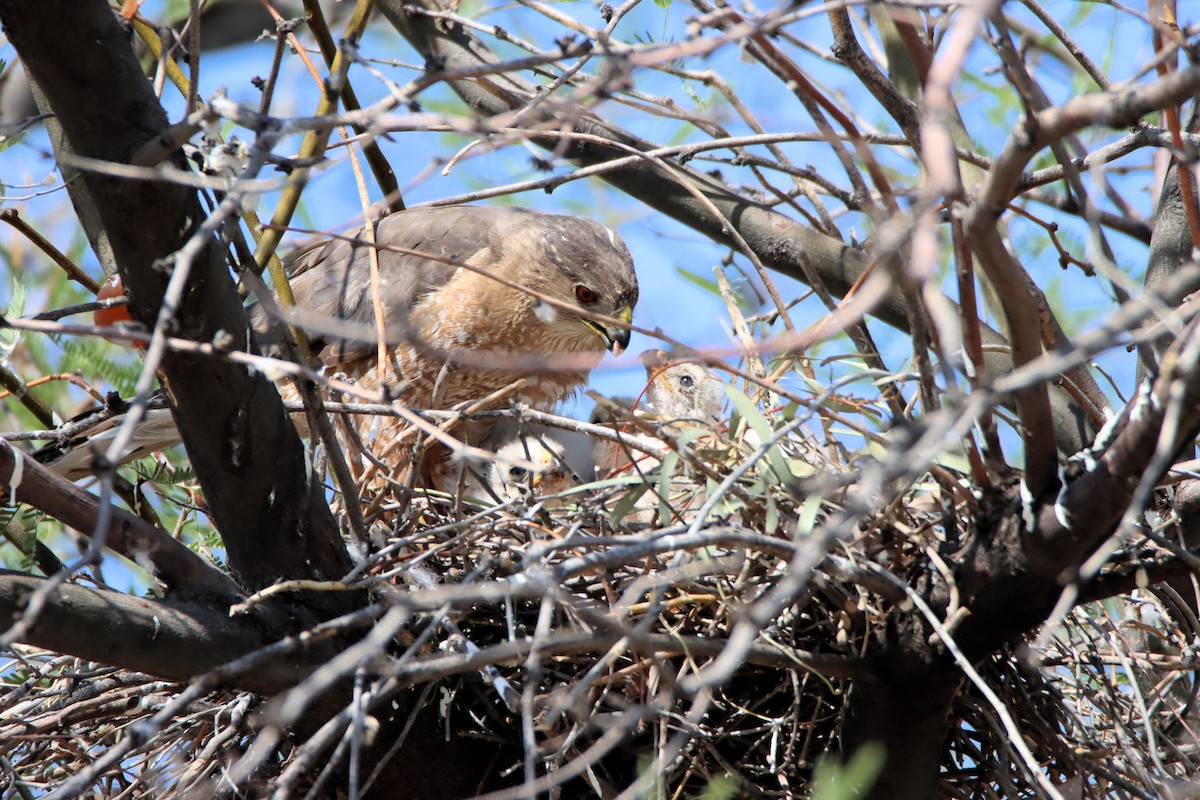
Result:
pixel 1113 108
pixel 1187 191
pixel 740 329
pixel 68 266
pixel 333 450
pixel 70 377
pixel 1036 99
pixel 265 363
pixel 1033 404
pixel 824 222
pixel 414 417
pixel 1144 136
pixel 947 639
pixel 1094 402
pixel 314 143
pixel 896 236
pixel 15 385
pixel 202 685
pixel 249 216
pixel 846 47
pixel 291 705
pixel 283 30
pixel 688 151
pixel 814 101
pixel 384 174
pixel 973 350
pixel 1172 414
pixel 168 560
pixel 1074 49
pixel 385 177
pixel 81 308
pixel 803 88
pixel 313 402
pixel 12 382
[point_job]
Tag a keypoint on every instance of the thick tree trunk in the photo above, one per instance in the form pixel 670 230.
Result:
pixel 266 503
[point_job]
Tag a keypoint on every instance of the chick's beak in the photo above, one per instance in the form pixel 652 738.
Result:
pixel 616 338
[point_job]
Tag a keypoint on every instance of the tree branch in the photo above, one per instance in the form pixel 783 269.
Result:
pixel 268 506
pixel 783 244
pixel 168 560
pixel 172 639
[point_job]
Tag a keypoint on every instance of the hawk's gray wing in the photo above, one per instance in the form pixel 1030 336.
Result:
pixel 331 280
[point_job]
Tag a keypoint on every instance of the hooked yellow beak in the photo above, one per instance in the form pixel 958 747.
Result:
pixel 616 338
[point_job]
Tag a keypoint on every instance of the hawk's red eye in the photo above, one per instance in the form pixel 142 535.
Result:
pixel 586 296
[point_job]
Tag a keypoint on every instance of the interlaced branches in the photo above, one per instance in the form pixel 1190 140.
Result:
pixel 961 547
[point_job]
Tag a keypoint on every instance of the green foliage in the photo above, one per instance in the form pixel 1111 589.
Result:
pixel 1005 106
pixel 690 89
pixel 19 526
pixel 177 510
pixel 833 780
pixel 721 787
pixel 149 469
pixel 628 502
pixel 10 337
pixel 6 142
pixel 746 300
pixel 748 411
pixel 93 357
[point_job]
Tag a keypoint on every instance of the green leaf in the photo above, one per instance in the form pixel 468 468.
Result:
pixel 801 468
pixel 699 281
pixel 721 787
pixel 748 411
pixel 10 337
pixel 807 519
pixel 833 780
pixel 670 465
pixel 92 357
pixel 149 469
pixel 666 473
pixel 627 503
pixel 771 523
pixel 6 142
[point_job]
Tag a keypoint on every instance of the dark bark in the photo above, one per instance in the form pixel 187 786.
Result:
pixel 1170 246
pixel 905 708
pixel 269 508
pixel 1010 579
pixel 167 559
pixel 172 639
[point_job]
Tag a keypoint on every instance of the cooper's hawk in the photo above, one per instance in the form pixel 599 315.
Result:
pixel 509 478
pixel 679 392
pixel 680 395
pixel 473 299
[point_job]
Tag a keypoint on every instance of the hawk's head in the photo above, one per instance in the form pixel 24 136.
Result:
pixel 511 477
pixel 681 389
pixel 586 266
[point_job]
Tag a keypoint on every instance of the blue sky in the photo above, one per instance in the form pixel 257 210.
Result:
pixel 1114 37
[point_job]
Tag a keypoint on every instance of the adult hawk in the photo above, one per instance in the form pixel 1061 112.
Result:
pixel 474 298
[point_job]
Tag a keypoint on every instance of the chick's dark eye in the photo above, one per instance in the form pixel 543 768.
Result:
pixel 518 474
pixel 686 381
pixel 589 297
